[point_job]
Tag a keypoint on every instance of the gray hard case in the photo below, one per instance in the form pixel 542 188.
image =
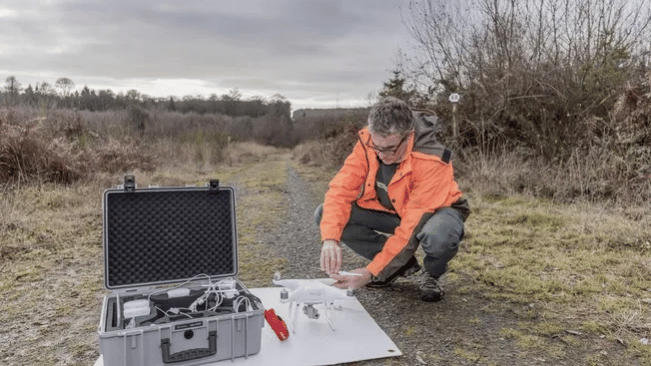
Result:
pixel 156 239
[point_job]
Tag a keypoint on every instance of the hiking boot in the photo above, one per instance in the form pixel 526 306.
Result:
pixel 408 269
pixel 431 289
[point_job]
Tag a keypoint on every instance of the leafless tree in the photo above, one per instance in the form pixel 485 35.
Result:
pixel 12 88
pixel 454 40
pixel 528 69
pixel 65 85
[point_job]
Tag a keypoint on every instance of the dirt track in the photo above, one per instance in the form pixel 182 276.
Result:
pixel 463 329
pixel 426 333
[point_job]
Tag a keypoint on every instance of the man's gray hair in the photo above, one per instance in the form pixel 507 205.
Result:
pixel 390 115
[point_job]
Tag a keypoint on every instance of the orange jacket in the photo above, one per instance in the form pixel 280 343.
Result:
pixel 421 184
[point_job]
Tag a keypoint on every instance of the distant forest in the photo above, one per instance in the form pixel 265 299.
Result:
pixel 63 95
pixel 267 121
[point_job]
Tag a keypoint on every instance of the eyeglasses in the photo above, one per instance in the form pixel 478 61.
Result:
pixel 388 149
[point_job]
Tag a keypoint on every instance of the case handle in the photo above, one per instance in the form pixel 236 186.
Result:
pixel 189 354
pixel 129 183
pixel 213 186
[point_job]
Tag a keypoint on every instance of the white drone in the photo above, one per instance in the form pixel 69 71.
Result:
pixel 309 293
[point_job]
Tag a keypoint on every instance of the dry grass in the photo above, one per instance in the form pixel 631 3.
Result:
pixel 51 277
pixel 245 152
pixel 597 176
pixel 578 267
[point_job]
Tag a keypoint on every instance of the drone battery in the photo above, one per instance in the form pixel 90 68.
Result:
pixel 163 238
pixel 178 292
pixel 136 308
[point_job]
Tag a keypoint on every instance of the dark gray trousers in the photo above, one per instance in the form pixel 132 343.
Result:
pixel 439 237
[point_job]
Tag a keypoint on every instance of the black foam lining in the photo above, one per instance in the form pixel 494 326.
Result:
pixel 159 236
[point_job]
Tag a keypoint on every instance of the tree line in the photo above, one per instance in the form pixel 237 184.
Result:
pixel 63 95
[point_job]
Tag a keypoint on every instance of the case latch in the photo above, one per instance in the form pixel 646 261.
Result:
pixel 214 185
pixel 129 183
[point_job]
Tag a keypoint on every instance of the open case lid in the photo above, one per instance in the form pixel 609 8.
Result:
pixel 156 236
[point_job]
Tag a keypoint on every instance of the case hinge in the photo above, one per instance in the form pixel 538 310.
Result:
pixel 129 183
pixel 214 185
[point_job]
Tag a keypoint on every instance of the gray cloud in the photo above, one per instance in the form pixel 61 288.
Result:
pixel 304 48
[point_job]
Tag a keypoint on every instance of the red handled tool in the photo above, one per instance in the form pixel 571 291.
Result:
pixel 277 324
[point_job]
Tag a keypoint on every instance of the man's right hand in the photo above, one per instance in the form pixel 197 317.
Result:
pixel 330 256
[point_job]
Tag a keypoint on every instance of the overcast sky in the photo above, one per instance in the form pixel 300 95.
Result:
pixel 316 53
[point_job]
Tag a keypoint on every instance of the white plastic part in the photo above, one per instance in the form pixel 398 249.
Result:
pixel 178 292
pixel 136 308
pixel 228 287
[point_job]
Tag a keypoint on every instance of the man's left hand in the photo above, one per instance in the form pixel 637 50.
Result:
pixel 352 281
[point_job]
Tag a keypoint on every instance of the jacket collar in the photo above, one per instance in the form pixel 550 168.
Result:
pixel 405 165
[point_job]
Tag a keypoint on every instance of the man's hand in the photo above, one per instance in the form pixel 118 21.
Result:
pixel 352 281
pixel 330 256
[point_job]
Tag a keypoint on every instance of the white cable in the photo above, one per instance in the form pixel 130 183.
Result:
pixel 238 302
pixel 161 310
pixel 219 298
pixel 224 288
pixel 182 284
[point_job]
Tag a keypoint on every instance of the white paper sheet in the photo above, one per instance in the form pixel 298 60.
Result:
pixel 356 337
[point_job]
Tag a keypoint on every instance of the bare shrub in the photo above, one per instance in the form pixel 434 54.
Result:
pixel 27 155
pixel 137 119
pixel 329 152
pixel 66 123
pixel 531 74
pixel 240 128
pixel 275 130
pixel 62 148
pixel 117 157
pixel 106 123
pixel 313 124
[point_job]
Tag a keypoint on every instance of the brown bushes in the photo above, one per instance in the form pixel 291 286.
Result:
pixel 610 161
pixel 27 155
pixel 531 77
pixel 613 165
pixel 329 152
pixel 60 148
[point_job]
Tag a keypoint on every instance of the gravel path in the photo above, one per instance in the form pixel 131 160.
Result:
pixel 421 330
pixel 298 241
pixel 463 329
